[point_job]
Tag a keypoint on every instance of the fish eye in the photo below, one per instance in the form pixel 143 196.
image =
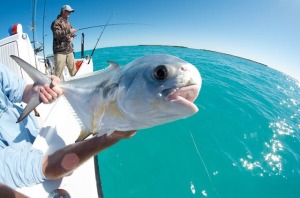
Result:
pixel 160 72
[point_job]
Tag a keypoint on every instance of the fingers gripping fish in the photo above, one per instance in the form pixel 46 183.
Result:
pixel 149 91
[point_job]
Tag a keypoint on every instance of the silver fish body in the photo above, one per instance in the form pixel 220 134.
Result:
pixel 149 91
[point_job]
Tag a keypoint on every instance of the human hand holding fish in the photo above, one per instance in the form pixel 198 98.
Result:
pixel 47 92
pixel 149 91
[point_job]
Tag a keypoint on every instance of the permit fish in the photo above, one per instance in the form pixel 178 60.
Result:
pixel 149 91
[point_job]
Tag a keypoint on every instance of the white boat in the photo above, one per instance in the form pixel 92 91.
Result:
pixel 58 125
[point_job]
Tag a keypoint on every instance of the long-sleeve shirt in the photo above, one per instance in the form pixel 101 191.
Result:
pixel 62 35
pixel 20 163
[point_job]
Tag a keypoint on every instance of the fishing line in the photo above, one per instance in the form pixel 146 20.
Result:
pixel 201 159
pixel 111 24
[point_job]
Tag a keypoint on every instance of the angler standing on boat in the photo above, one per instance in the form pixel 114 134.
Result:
pixel 63 34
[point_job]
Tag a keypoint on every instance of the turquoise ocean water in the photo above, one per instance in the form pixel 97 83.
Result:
pixel 243 143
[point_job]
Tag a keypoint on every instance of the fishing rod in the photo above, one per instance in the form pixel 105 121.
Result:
pixel 82 45
pixel 33 30
pixel 112 24
pixel 104 26
pixel 44 16
pixel 33 24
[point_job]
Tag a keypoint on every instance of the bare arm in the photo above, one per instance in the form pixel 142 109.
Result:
pixel 8 192
pixel 67 159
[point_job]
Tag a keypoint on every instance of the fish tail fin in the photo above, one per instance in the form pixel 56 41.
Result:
pixel 38 77
pixel 33 103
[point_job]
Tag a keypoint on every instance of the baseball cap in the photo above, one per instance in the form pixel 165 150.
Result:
pixel 67 8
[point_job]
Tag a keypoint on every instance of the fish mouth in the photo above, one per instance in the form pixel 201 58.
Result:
pixel 184 96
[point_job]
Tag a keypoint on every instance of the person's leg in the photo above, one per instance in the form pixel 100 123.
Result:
pixel 60 62
pixel 71 64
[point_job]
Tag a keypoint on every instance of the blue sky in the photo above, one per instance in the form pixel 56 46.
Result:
pixel 266 31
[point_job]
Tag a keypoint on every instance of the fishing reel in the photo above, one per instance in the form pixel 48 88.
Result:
pixel 38 48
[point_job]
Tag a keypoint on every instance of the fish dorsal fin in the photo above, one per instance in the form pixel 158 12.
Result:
pixel 113 65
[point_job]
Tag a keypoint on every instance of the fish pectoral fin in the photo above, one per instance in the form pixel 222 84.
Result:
pixel 83 135
pixel 32 104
